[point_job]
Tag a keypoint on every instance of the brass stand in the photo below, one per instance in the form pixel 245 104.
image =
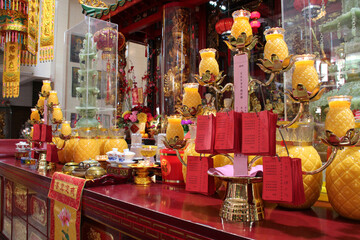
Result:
pixel 243 201
pixel 142 174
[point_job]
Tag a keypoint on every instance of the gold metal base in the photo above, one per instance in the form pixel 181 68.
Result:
pixel 142 174
pixel 243 201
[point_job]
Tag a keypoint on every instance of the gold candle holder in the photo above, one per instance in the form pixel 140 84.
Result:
pixel 65 130
pixel 40 102
pixel 241 38
pixel 339 119
pixel 174 128
pixel 46 88
pixel 57 115
pixel 305 72
pixel 53 98
pixel 174 133
pixel 34 116
pixel 241 23
pixel 208 62
pixel 191 103
pixel 275 44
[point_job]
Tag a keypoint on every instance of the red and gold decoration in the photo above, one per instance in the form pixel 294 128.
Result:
pixel 33 26
pixel 11 74
pixel 47 31
pixel 65 194
pixel 19 35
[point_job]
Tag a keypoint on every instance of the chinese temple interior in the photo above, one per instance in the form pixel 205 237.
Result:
pixel 187 119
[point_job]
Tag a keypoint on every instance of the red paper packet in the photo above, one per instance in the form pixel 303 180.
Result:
pixel 205 134
pixel 46 133
pixel 258 133
pixel 52 153
pixel 282 180
pixel 227 133
pixel 37 132
pixel 197 179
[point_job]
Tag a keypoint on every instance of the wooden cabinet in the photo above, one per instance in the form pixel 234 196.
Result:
pixel 158 211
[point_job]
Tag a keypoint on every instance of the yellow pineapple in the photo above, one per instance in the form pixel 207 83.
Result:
pixel 343 183
pixel 118 143
pixel 310 160
pixel 85 149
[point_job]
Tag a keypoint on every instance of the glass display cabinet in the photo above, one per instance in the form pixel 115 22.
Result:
pixel 329 30
pixel 91 73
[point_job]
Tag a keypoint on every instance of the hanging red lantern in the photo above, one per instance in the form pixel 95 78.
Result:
pixel 224 25
pixel 255 24
pixel 301 4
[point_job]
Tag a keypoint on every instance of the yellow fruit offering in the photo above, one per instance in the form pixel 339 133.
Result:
pixel 86 148
pixel 310 160
pixel 343 183
pixel 340 118
pixel 305 72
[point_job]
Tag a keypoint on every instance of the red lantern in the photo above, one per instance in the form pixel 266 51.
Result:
pixel 301 4
pixel 255 24
pixel 224 25
pixel 255 15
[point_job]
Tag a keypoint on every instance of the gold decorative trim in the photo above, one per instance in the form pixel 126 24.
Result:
pixel 130 220
pixel 177 232
pixel 94 3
